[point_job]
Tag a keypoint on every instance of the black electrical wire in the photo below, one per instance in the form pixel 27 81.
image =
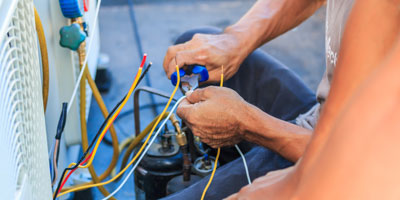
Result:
pixel 97 135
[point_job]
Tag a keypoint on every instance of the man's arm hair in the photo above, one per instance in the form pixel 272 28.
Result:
pixel 268 19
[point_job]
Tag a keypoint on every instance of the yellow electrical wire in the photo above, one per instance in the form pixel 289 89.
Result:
pixel 135 141
pixel 44 57
pixel 140 150
pixel 114 115
pixel 221 84
pixel 103 108
pixel 84 136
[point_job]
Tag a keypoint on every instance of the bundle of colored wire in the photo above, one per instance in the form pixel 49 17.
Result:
pixel 138 153
pixel 106 121
pixel 145 151
pixel 114 116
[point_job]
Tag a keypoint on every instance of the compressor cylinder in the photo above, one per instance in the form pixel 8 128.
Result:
pixel 161 163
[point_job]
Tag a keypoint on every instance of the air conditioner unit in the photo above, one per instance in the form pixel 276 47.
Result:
pixel 26 131
pixel 23 147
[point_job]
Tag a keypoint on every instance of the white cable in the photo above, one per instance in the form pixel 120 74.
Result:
pixel 90 44
pixel 145 150
pixel 244 163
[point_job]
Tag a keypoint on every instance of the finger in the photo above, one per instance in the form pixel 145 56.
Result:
pixel 191 57
pixel 170 57
pixel 185 57
pixel 232 197
pixel 199 95
pixel 184 109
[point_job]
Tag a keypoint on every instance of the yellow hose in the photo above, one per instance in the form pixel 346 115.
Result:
pixel 141 148
pixel 84 136
pixel 121 147
pixel 44 57
pixel 113 133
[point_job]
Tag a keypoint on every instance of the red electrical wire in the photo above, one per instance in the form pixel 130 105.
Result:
pixel 86 5
pixel 72 171
pixel 112 120
pixel 116 115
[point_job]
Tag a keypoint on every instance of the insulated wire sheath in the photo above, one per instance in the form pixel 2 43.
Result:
pixel 121 147
pixel 82 104
pixel 221 84
pixel 61 181
pixel 147 148
pixel 212 174
pixel 113 133
pixel 140 150
pixel 115 114
pixel 114 137
pixel 44 57
pixel 244 163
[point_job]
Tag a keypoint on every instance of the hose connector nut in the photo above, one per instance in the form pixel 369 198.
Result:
pixel 181 139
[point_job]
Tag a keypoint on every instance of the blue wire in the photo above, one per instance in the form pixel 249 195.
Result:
pixel 140 50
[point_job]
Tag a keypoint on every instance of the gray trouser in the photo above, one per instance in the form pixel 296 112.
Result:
pixel 268 84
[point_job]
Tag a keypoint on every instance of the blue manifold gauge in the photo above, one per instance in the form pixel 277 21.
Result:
pixel 71 8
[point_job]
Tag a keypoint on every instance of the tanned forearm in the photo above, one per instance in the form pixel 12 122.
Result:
pixel 268 19
pixel 371 31
pixel 280 136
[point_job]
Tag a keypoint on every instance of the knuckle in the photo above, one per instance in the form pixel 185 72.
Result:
pixel 197 36
pixel 170 50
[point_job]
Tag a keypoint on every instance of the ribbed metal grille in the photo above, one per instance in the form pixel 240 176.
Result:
pixel 24 168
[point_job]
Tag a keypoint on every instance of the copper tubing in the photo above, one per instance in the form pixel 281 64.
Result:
pixel 136 103
pixel 55 162
pixel 44 57
pixel 187 164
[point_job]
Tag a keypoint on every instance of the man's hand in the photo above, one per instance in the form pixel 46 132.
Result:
pixel 277 184
pixel 212 51
pixel 214 114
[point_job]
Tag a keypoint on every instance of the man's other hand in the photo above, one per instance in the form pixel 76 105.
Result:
pixel 214 114
pixel 208 50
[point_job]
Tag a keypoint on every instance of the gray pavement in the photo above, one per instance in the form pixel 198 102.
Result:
pixel 159 23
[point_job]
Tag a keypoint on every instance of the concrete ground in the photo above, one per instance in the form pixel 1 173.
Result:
pixel 159 24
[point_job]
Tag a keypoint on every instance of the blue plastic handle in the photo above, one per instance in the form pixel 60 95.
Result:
pixel 197 69
pixel 174 77
pixel 202 71
pixel 71 8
